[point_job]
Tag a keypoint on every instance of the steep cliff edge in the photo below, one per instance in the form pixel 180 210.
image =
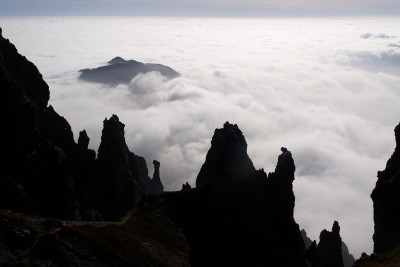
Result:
pixel 386 199
pixel 25 72
pixel 238 216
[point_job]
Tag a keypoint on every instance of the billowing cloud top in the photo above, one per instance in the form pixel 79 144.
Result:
pixel 315 86
pixel 200 7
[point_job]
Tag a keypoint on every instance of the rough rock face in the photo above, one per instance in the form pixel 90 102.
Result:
pixel 386 199
pixel 329 250
pixel 121 71
pixel 34 175
pixel 238 216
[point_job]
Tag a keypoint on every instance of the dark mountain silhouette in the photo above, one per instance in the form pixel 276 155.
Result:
pixel 45 171
pixel 121 71
pixel 239 216
pixel 386 198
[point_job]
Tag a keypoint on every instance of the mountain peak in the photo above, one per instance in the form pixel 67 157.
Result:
pixel 227 156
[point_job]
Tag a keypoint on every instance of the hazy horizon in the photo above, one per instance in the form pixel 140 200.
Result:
pixel 327 89
pixel 204 8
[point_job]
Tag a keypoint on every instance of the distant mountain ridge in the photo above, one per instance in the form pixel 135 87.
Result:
pixel 121 71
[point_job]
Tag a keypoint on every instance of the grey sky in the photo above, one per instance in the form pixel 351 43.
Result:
pixel 200 7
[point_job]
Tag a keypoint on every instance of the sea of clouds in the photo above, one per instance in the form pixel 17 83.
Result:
pixel 327 89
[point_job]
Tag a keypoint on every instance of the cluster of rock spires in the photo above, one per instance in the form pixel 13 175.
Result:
pixel 235 216
pixel 331 251
pixel 45 171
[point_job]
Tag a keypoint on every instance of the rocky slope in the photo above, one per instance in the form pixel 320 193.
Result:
pixel 145 237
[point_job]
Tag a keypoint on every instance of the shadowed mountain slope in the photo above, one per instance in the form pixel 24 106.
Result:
pixel 45 171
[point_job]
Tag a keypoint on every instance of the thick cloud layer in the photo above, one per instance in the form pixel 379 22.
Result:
pixel 313 86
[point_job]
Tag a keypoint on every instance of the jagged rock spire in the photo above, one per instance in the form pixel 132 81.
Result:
pixel 329 250
pixel 227 156
pixel 116 180
pixel 83 139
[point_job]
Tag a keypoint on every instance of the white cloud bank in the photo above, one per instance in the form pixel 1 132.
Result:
pixel 313 86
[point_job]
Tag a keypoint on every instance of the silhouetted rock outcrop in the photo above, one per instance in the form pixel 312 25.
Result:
pixel 307 241
pixel 348 259
pixel 329 250
pixel 238 216
pixel 186 187
pixel 386 198
pixel 121 71
pixel 116 183
pixel 155 185
pixel 140 172
pixel 226 157
pixel 311 251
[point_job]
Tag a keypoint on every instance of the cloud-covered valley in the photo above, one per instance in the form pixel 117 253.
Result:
pixel 311 85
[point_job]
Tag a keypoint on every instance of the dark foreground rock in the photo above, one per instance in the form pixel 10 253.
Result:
pixel 144 238
pixel 121 71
